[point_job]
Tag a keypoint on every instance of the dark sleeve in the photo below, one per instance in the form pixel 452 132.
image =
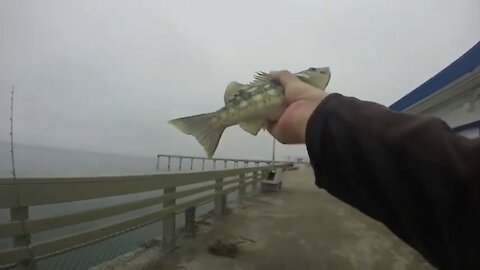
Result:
pixel 412 173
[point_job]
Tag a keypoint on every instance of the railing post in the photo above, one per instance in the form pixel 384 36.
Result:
pixel 191 163
pixel 255 182
pixel 190 227
pixel 224 164
pixel 219 203
pixel 214 163
pixel 168 168
pixel 180 164
pixel 242 191
pixel 158 163
pixel 203 164
pixel 169 221
pixel 21 214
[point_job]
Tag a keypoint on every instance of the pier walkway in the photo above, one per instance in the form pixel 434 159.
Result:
pixel 300 227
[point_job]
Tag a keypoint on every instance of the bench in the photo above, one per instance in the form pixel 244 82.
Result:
pixel 273 181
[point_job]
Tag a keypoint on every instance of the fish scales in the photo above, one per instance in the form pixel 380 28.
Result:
pixel 248 105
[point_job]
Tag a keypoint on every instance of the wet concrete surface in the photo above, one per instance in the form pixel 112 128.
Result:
pixel 300 227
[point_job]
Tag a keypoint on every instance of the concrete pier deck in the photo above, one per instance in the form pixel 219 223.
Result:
pixel 300 227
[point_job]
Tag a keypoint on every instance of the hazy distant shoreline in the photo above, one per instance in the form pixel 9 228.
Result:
pixel 41 161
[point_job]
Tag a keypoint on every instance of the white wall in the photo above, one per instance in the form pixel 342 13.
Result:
pixel 470 133
pixel 461 114
pixel 460 111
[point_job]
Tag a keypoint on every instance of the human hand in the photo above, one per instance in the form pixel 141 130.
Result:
pixel 302 99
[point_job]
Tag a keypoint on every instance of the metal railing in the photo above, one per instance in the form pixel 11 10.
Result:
pixel 214 162
pixel 21 194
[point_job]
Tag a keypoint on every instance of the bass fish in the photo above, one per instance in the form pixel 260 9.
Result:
pixel 248 105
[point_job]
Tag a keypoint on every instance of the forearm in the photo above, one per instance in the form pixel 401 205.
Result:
pixel 409 172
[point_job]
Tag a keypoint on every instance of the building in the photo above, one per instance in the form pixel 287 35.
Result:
pixel 452 95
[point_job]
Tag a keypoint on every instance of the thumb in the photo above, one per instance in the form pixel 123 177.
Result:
pixel 270 126
pixel 285 77
pixel 275 130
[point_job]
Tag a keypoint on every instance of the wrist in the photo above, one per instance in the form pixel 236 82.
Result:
pixel 307 110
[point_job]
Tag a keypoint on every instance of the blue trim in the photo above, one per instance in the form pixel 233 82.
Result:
pixel 475 124
pixel 466 63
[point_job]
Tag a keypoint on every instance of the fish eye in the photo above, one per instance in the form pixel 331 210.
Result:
pixel 312 69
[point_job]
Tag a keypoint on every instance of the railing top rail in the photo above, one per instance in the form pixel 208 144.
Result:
pixel 222 159
pixel 108 178
pixel 39 191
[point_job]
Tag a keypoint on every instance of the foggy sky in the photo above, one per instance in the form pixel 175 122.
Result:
pixel 108 75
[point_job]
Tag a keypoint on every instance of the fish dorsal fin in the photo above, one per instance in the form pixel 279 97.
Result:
pixel 261 78
pixel 232 89
pixel 253 127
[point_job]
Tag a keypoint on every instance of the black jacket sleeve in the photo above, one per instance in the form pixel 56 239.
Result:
pixel 412 173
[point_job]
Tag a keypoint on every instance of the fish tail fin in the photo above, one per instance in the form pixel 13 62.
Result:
pixel 200 127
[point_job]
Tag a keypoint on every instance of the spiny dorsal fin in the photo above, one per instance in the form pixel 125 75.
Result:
pixel 232 89
pixel 261 78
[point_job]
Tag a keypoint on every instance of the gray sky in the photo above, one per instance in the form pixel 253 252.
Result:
pixel 108 75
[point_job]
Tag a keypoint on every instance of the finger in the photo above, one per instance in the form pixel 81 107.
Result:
pixel 270 126
pixel 274 129
pixel 285 77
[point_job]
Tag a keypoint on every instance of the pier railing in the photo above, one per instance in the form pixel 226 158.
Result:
pixel 215 162
pixel 21 194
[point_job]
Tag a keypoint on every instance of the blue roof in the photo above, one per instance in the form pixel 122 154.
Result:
pixel 466 63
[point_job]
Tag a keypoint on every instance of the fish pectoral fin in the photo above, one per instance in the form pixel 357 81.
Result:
pixel 232 89
pixel 253 127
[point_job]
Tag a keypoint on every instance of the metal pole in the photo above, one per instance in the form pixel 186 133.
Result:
pixel 11 135
pixel 168 163
pixel 19 213
pixel 191 164
pixel 273 152
pixel 203 164
pixel 158 163
pixel 180 165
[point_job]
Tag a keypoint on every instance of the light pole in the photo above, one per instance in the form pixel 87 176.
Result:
pixel 273 152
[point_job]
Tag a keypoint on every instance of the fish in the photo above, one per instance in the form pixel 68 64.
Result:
pixel 248 105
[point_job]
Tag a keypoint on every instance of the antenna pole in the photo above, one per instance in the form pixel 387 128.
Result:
pixel 11 133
